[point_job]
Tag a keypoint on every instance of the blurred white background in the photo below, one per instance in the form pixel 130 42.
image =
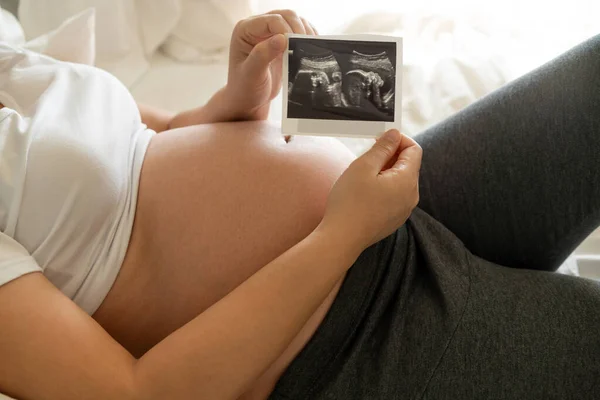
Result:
pixel 536 29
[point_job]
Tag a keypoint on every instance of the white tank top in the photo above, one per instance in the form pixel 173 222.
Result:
pixel 71 150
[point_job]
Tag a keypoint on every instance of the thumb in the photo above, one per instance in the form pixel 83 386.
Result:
pixel 263 53
pixel 378 156
pixel 410 155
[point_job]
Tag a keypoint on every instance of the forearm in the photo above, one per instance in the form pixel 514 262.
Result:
pixel 218 109
pixel 215 110
pixel 53 343
pixel 219 353
pixel 160 120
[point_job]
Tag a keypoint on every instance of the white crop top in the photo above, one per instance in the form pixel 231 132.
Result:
pixel 71 149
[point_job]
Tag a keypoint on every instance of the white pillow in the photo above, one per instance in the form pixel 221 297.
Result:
pixel 73 41
pixel 117 37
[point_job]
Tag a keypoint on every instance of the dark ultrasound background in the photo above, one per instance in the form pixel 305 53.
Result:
pixel 341 80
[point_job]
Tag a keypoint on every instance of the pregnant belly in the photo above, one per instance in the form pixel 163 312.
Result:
pixel 216 203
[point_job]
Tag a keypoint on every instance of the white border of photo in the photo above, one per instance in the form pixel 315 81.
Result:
pixel 343 128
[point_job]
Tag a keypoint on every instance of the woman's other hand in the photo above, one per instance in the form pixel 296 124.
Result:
pixel 255 67
pixel 255 61
pixel 377 193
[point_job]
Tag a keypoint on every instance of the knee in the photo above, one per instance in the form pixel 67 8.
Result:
pixel 586 56
pixel 594 44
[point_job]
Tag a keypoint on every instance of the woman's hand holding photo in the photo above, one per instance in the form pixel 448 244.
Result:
pixel 255 60
pixel 255 68
pixel 377 193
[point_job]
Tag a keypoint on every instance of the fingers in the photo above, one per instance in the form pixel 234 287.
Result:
pixel 263 54
pixel 410 155
pixel 292 19
pixel 382 151
pixel 391 144
pixel 298 24
pixel 260 27
pixel 310 29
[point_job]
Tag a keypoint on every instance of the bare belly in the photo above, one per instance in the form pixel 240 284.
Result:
pixel 216 203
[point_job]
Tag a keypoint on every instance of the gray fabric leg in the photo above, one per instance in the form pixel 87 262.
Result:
pixel 524 335
pixel 516 176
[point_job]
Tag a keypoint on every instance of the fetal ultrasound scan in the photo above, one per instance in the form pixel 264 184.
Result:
pixel 342 85
pixel 341 80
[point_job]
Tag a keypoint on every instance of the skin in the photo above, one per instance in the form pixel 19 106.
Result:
pixel 215 298
pixel 187 252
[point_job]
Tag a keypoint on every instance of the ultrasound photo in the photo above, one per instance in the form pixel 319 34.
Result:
pixel 341 79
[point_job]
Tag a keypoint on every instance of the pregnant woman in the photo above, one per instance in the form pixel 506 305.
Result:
pixel 219 260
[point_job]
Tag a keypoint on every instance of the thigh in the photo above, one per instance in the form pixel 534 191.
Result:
pixel 524 334
pixel 516 176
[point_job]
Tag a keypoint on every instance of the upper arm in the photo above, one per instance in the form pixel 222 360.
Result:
pixel 51 349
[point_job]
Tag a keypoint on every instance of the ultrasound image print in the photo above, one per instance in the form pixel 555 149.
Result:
pixel 341 80
pixel 383 74
pixel 318 80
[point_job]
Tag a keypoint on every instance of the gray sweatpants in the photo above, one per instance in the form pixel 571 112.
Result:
pixel 435 311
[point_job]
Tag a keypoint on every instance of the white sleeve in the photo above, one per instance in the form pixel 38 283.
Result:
pixel 15 261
